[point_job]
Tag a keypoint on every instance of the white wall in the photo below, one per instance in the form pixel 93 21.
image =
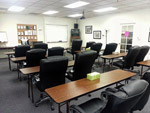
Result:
pixel 8 23
pixel 112 22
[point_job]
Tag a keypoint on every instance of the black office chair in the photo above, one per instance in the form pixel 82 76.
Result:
pixel 89 44
pixel 83 65
pixel 110 48
pixel 34 56
pixel 56 51
pixel 143 52
pixel 76 46
pixel 129 60
pixel 52 73
pixel 119 100
pixel 40 46
pixel 21 50
pixel 97 47
pixel 144 99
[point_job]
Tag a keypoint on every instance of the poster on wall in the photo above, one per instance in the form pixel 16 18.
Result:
pixel 97 34
pixel 88 29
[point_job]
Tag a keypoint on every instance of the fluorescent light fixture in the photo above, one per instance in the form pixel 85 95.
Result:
pixel 75 15
pixel 105 9
pixel 76 4
pixel 50 12
pixel 16 9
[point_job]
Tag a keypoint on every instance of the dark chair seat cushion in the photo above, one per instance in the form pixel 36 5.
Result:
pixel 118 64
pixel 93 106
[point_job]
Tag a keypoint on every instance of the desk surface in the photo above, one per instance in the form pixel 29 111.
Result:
pixel 114 55
pixel 144 63
pixel 68 91
pixel 36 69
pixel 17 59
pixel 9 53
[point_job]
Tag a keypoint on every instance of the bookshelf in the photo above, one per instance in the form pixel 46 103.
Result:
pixel 27 32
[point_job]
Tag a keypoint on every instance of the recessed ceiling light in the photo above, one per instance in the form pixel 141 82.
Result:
pixel 75 15
pixel 50 12
pixel 106 9
pixel 76 4
pixel 16 9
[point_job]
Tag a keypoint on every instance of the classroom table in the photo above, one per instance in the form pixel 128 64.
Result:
pixel 30 71
pixel 64 93
pixel 9 54
pixel 111 57
pixel 145 63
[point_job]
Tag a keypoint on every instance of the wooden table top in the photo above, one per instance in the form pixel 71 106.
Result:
pixel 17 59
pixel 9 53
pixel 36 69
pixel 68 91
pixel 144 63
pixel 114 55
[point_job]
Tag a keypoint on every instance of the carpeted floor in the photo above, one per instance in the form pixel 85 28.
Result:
pixel 14 98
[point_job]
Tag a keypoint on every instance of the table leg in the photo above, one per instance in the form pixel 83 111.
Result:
pixel 104 64
pixel 18 69
pixel 28 86
pixel 141 71
pixel 59 111
pixel 31 84
pixel 9 62
pixel 67 106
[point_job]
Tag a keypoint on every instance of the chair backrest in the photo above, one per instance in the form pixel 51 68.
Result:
pixel 96 47
pixel 83 64
pixel 125 98
pixel 34 56
pixel 40 46
pixel 76 45
pixel 55 51
pixel 89 44
pixel 144 99
pixel 52 71
pixel 143 51
pixel 21 50
pixel 110 48
pixel 129 60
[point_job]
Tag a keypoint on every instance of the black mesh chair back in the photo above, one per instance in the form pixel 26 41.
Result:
pixel 83 64
pixel 143 101
pixel 89 44
pixel 56 51
pixel 21 50
pixel 143 52
pixel 40 46
pixel 52 71
pixel 96 47
pixel 34 56
pixel 76 45
pixel 129 60
pixel 25 42
pixel 125 98
pixel 110 48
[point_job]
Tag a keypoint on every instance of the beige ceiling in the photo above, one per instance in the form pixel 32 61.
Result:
pixel 40 6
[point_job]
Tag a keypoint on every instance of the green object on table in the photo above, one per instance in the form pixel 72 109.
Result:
pixel 87 49
pixel 93 76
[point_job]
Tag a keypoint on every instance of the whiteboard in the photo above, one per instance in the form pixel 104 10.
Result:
pixel 3 36
pixel 56 33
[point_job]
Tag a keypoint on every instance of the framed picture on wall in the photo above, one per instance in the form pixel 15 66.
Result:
pixel 97 34
pixel 88 29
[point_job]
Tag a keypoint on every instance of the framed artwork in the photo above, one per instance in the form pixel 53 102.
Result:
pixel 88 29
pixel 97 34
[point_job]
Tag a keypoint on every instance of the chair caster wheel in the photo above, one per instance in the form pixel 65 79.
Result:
pixel 52 108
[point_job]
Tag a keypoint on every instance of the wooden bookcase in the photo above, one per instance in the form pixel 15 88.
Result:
pixel 27 31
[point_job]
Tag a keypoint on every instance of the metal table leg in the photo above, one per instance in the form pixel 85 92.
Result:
pixel 9 62
pixel 28 86
pixel 31 84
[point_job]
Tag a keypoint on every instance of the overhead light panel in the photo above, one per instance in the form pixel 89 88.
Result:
pixel 16 9
pixel 75 15
pixel 76 4
pixel 105 9
pixel 50 12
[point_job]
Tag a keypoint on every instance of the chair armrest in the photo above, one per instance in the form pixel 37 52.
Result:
pixel 76 109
